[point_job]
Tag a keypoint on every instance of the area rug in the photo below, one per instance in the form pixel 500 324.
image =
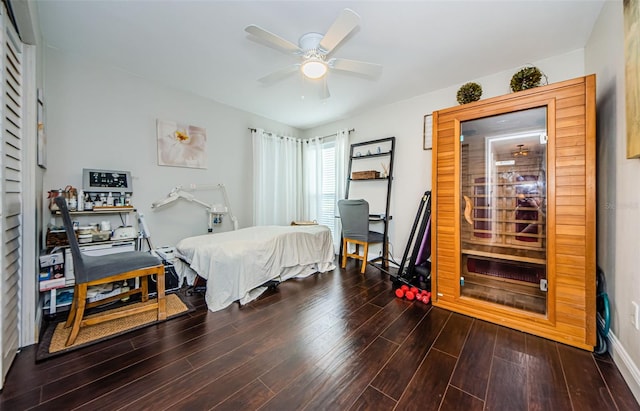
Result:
pixel 55 336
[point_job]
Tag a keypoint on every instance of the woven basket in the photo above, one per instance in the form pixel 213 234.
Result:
pixel 365 175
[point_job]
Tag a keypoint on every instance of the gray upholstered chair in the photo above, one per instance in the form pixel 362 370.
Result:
pixel 94 270
pixel 354 215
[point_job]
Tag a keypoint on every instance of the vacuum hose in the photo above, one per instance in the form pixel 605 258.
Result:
pixel 602 306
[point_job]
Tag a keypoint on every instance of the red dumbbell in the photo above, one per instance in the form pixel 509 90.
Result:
pixel 399 292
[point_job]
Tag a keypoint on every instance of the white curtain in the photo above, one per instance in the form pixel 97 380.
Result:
pixel 325 168
pixel 342 161
pixel 277 178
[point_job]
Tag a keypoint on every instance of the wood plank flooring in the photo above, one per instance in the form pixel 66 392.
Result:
pixel 333 341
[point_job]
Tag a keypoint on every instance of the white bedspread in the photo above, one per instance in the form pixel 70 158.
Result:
pixel 236 262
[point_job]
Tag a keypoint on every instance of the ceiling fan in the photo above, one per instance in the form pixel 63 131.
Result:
pixel 522 151
pixel 314 50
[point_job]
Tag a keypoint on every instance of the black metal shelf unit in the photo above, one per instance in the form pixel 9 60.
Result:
pixel 355 155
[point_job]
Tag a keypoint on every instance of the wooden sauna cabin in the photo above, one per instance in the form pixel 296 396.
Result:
pixel 514 211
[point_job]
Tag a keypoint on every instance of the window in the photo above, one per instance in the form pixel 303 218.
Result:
pixel 327 212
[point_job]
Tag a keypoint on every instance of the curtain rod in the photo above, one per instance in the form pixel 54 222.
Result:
pixel 335 134
pixel 330 135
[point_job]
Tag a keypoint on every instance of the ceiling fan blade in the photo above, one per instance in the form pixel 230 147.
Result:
pixel 324 90
pixel 272 39
pixel 278 74
pixel 344 24
pixel 370 70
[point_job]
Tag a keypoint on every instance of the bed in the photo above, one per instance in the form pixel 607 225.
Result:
pixel 237 264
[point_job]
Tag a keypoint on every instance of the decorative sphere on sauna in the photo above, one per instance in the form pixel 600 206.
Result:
pixel 526 78
pixel 469 93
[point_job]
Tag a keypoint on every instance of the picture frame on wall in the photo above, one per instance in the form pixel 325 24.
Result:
pixel 631 11
pixel 181 145
pixel 427 132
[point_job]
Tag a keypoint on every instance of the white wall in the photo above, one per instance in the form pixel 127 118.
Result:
pixel 618 195
pixel 101 117
pixel 404 120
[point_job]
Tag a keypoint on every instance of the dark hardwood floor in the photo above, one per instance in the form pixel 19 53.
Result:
pixel 334 341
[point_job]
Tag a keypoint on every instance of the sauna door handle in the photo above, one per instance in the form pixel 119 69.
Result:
pixel 468 209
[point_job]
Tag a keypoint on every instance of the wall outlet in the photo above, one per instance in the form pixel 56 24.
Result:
pixel 635 315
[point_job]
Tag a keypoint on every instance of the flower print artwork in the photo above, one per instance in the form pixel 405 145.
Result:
pixel 181 145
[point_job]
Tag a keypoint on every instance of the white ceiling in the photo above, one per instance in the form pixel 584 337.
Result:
pixel 201 46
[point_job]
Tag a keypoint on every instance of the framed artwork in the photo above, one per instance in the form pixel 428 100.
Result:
pixel 181 145
pixel 42 139
pixel 631 11
pixel 426 134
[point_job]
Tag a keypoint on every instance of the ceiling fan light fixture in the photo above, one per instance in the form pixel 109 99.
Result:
pixel 314 68
pixel 521 152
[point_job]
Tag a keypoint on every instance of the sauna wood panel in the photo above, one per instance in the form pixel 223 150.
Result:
pixel 570 161
pixel 570 191
pixel 571 122
pixel 571 180
pixel 573 111
pixel 570 136
pixel 571 150
pixel 571 200
pixel 570 101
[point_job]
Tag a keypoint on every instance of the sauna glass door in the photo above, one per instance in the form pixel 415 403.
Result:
pixel 503 209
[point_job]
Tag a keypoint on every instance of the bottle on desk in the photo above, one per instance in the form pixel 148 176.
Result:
pixel 88 203
pixel 80 205
pixel 72 203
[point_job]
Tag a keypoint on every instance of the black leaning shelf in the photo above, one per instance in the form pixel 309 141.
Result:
pixel 384 259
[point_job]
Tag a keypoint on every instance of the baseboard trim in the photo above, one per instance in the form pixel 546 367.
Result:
pixel 625 364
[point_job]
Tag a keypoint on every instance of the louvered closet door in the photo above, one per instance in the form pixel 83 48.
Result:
pixel 11 181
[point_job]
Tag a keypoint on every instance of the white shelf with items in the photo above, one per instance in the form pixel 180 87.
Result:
pixel 57 238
